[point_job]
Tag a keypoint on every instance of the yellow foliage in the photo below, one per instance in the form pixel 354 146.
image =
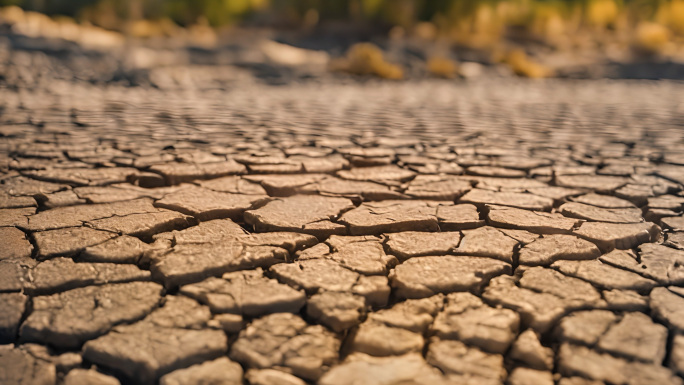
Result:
pixel 671 14
pixel 481 29
pixel 425 31
pixel 651 37
pixel 259 4
pixel 442 67
pixel 371 7
pixel 151 28
pixel 486 20
pixel 366 59
pixel 237 7
pixel 548 22
pixel 522 65
pixel 602 13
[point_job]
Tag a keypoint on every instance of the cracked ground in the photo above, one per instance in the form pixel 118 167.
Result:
pixel 337 233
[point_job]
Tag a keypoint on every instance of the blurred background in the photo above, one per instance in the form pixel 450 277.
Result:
pixel 392 39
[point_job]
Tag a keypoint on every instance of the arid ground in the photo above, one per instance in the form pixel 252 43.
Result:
pixel 222 218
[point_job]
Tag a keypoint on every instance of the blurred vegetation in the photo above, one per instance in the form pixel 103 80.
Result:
pixel 500 27
pixel 442 67
pixel 366 59
pixel 486 18
pixel 476 23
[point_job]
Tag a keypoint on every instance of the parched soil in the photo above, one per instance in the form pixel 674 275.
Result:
pixel 340 232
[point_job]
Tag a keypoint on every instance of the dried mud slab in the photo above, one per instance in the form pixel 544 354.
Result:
pixel 415 315
pixel 636 337
pixel 119 192
pixel 14 202
pixel 528 349
pixel 324 274
pixel 190 263
pixel 599 183
pixel 603 201
pixel 497 172
pixel 487 242
pixel 582 361
pixel 60 199
pixel 142 353
pixel 437 188
pixel 300 213
pixel 608 236
pixel 122 249
pixel 532 221
pixel 674 223
pixel 604 275
pixel 426 276
pixel 234 185
pixel 21 186
pixel 504 184
pixel 592 213
pixel 16 217
pixel 410 244
pixel 217 247
pixel 62 274
pixel 247 293
pixel 371 370
pixel 351 189
pixel 75 216
pixel 20 368
pixel 585 327
pixel 556 193
pixel 675 240
pixel 13 305
pixel 656 262
pixel 382 340
pixel 336 310
pixel 551 248
pixel 625 300
pixel 457 358
pixel 512 199
pixel 467 319
pixel 143 225
pixel 362 254
pixel 69 241
pixel 221 370
pixel 71 318
pixel 543 296
pixel 391 216
pixel 284 339
pixel 84 176
pixel 176 173
pixel 667 306
pixel 205 204
pixel 271 377
pixel 521 376
pixel 282 185
pixel 14 273
pixel 377 174
pixel 15 244
pixel 458 217
pixel 83 376
pixel 676 361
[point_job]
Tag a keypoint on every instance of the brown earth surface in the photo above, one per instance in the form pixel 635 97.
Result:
pixel 208 226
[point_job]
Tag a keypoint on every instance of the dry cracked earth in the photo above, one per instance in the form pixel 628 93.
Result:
pixel 341 233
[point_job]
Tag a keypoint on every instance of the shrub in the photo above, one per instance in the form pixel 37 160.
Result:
pixel 366 59
pixel 522 65
pixel 651 38
pixel 442 67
